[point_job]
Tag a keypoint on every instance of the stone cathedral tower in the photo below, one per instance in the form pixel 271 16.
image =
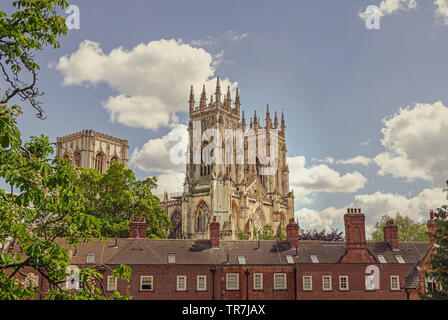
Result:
pixel 242 199
pixel 91 149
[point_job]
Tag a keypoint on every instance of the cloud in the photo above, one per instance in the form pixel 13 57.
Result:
pixel 171 182
pixel 387 7
pixel 164 154
pixel 364 143
pixel 228 36
pixel 320 178
pixel 442 10
pixel 374 206
pixel 356 160
pixel 415 139
pixel 152 80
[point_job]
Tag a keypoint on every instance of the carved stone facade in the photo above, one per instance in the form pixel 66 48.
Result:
pixel 91 149
pixel 240 197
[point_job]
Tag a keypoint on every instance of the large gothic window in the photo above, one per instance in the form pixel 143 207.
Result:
pixel 176 220
pixel 99 161
pixel 77 158
pixel 201 219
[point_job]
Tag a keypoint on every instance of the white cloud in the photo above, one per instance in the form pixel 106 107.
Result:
pixel 387 7
pixel 228 36
pixel 155 155
pixel 152 80
pixel 364 143
pixel 171 182
pixel 415 139
pixel 356 160
pixel 374 206
pixel 442 10
pixel 320 178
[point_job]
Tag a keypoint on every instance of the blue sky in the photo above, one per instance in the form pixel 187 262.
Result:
pixel 335 80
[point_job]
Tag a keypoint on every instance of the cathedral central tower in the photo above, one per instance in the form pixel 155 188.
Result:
pixel 229 183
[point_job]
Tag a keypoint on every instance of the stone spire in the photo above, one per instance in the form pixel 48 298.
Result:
pixel 283 124
pixel 203 101
pixel 211 101
pixel 228 100
pixel 255 119
pixel 243 122
pixel 251 124
pixel 275 121
pixel 237 100
pixel 191 101
pixel 218 93
pixel 268 118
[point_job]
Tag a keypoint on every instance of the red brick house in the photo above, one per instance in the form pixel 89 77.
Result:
pixel 165 269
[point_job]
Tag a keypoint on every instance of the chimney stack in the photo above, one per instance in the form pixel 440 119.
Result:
pixel 355 238
pixel 214 233
pixel 137 227
pixel 355 230
pixel 292 233
pixel 391 234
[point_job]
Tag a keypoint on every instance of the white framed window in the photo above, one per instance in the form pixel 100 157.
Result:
pixel 90 258
pixel 314 259
pixel 370 282
pixel 279 281
pixel 399 258
pixel 241 259
pixel 232 281
pixel 394 283
pixel 307 283
pixel 430 284
pixel 146 283
pixel 111 283
pixel 381 259
pixel 343 283
pixel 181 284
pixel 289 259
pixel 171 258
pixel 258 281
pixel 326 283
pixel 201 284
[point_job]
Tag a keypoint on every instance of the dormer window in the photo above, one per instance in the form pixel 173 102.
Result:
pixel 171 258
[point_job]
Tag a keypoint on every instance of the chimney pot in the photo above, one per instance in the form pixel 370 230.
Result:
pixel 390 231
pixel 292 233
pixel 137 227
pixel 214 233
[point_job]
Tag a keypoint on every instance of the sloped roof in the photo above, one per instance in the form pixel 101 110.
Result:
pixel 264 252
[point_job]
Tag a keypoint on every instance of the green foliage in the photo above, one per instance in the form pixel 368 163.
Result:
pixel 408 229
pixel 117 195
pixel 438 261
pixel 49 202
pixel 268 233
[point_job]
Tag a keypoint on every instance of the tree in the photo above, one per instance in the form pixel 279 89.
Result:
pixel 268 233
pixel 49 203
pixel 438 260
pixel 322 235
pixel 115 196
pixel 408 229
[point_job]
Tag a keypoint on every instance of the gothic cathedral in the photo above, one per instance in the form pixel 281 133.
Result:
pixel 242 199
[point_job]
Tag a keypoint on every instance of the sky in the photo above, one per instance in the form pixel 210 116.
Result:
pixel 366 109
